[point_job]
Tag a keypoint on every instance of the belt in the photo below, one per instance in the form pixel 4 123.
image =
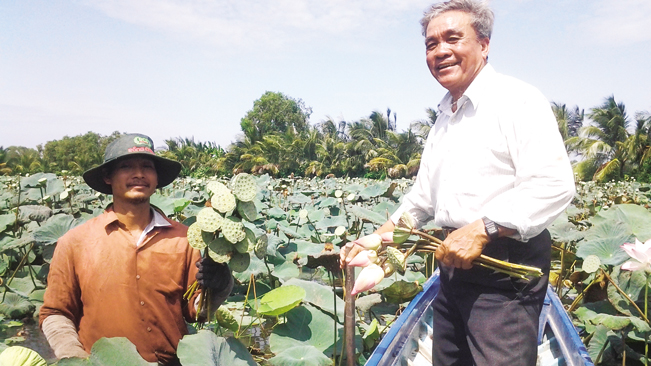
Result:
pixel 447 230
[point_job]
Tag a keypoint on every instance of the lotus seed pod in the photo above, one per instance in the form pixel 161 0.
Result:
pixel 591 263
pixel 339 193
pixel 240 262
pixel 351 197
pixel 220 250
pixel 223 201
pixel 261 246
pixel 194 237
pixel 248 244
pixel 216 187
pixel 209 219
pixel 247 210
pixel 244 187
pixel 302 214
pixel 396 258
pixel 233 230
pixel 340 230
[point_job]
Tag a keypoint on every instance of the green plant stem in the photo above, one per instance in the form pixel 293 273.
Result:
pixel 626 296
pixel 334 299
pixel 578 299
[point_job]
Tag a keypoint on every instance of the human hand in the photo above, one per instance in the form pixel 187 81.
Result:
pixel 213 275
pixel 463 245
pixel 351 249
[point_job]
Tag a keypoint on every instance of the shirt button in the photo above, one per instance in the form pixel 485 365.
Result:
pixel 137 277
pixel 148 329
pixel 142 303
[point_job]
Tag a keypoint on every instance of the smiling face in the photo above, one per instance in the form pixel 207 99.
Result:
pixel 133 180
pixel 455 55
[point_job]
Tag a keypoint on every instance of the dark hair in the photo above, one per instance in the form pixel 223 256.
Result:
pixel 481 15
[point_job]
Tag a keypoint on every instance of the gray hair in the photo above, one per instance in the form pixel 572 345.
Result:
pixel 481 15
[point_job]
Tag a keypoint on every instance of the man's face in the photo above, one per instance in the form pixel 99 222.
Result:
pixel 133 180
pixel 454 54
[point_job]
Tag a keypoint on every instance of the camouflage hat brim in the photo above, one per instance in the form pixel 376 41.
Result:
pixel 126 146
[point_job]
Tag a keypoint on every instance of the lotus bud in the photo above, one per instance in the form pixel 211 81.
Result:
pixel 368 278
pixel 387 238
pixel 364 259
pixel 370 242
pixel 388 268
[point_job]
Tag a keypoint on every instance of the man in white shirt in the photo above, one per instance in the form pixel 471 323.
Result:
pixel 495 172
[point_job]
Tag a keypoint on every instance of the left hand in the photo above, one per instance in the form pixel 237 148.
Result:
pixel 213 275
pixel 463 245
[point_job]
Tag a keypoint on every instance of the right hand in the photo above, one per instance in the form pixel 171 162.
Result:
pixel 348 252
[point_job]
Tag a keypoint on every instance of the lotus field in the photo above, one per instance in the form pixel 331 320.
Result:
pixel 281 238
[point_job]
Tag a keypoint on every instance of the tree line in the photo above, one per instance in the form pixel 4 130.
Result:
pixel 277 138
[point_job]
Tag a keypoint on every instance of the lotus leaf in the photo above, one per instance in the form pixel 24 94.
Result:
pixel 632 283
pixel 332 221
pixel 7 221
pixel 54 228
pixel 299 199
pixel 36 213
pixel 320 296
pixel 300 356
pixel 281 300
pixel 180 204
pixel 261 246
pixel 307 325
pixel 286 271
pixel 371 335
pixel 604 240
pixel 21 356
pixel 635 217
pixel 207 349
pixel 366 214
pixel 163 203
pixel 16 307
pixel 276 213
pixel 401 291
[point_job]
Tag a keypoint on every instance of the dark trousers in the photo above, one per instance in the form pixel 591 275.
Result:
pixel 485 318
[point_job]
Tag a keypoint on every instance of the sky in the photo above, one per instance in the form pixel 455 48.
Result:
pixel 193 68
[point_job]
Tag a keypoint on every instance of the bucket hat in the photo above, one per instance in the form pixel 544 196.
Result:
pixel 132 145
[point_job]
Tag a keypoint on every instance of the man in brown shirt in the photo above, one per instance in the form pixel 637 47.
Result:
pixel 124 273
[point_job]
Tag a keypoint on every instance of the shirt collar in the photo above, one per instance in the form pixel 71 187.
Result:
pixel 158 220
pixel 473 94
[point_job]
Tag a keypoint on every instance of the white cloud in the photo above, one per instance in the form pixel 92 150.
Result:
pixel 254 22
pixel 618 23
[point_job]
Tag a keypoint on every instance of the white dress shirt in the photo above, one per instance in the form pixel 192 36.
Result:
pixel 500 156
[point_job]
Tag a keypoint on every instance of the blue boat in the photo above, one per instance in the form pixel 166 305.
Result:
pixel 408 342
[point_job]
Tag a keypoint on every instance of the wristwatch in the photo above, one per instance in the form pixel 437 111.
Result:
pixel 491 229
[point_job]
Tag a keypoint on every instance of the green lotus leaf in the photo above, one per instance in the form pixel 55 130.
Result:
pixel 281 300
pixel 7 221
pixel 220 250
pixel 54 228
pixel 286 270
pixel 261 244
pixel 632 283
pixel 366 215
pixel 21 356
pixel 180 204
pixel 36 213
pixel 16 307
pixel 401 291
pixel 115 351
pixel 604 240
pixel 636 218
pixel 207 349
pixel 299 199
pixel 300 356
pixel 163 203
pixel 371 335
pixel 320 296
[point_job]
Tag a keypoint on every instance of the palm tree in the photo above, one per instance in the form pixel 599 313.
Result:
pixel 603 144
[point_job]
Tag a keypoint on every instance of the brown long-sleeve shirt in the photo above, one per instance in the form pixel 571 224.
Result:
pixel 110 288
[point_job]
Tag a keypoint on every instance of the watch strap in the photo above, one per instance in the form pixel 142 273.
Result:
pixel 491 229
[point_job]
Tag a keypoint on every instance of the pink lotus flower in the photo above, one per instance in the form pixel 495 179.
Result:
pixel 387 238
pixel 364 258
pixel 641 253
pixel 368 278
pixel 370 242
